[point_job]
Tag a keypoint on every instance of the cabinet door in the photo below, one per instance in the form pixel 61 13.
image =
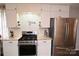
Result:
pixel 57 10
pixel 45 20
pixel 10 48
pixel 44 48
pixel 11 17
pixel 45 15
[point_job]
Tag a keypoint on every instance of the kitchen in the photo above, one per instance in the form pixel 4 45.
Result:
pixel 35 20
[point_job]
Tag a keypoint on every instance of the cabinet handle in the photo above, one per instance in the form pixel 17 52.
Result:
pixel 10 42
pixel 44 41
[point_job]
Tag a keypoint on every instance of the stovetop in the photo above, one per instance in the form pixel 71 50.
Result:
pixel 28 37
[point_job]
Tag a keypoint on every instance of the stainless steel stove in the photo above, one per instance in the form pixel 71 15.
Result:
pixel 27 44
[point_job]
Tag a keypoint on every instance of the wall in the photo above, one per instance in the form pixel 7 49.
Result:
pixel 74 11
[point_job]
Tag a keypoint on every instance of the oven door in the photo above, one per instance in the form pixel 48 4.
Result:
pixel 27 50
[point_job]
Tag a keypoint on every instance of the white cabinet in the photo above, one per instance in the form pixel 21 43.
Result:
pixel 45 20
pixel 59 10
pixel 45 16
pixel 28 8
pixel 44 48
pixel 10 48
pixel 11 17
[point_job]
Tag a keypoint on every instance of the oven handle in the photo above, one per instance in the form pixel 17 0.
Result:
pixel 27 43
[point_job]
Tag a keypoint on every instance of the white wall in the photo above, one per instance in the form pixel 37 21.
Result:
pixel 74 11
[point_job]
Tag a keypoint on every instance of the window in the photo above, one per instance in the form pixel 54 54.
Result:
pixel 3 25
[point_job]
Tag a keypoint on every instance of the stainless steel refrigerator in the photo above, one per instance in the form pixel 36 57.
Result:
pixel 63 34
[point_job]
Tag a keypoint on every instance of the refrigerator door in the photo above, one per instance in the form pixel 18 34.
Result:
pixel 59 32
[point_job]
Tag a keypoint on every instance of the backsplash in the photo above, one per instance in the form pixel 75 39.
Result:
pixel 18 32
pixel 42 31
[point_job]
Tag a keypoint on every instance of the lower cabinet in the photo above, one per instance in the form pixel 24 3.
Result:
pixel 44 48
pixel 10 48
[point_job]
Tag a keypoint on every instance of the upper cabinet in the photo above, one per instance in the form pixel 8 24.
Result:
pixel 34 8
pixel 45 16
pixel 11 15
pixel 44 11
pixel 59 10
pixel 51 11
pixel 45 20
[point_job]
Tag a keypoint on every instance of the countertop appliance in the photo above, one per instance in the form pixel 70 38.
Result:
pixel 28 44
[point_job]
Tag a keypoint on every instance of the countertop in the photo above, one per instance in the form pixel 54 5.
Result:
pixel 12 39
pixel 38 38
pixel 43 38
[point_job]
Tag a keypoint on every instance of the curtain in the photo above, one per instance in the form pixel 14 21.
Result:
pixel 3 25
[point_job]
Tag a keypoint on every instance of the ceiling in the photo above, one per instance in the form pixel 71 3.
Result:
pixel 70 4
